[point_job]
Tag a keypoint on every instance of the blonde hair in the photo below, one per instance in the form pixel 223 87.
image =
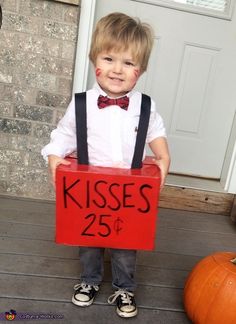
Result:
pixel 118 31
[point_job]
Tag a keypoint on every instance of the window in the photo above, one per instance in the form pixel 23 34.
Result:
pixel 219 5
pixel 214 8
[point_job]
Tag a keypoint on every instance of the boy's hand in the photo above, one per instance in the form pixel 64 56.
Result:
pixel 53 162
pixel 159 147
pixel 164 167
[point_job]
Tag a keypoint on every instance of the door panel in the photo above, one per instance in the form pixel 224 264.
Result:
pixel 192 78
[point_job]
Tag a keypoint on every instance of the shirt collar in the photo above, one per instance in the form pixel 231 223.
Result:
pixel 97 87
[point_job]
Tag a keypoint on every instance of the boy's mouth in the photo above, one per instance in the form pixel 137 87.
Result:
pixel 116 79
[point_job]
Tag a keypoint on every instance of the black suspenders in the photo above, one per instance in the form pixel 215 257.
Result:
pixel 142 132
pixel 81 130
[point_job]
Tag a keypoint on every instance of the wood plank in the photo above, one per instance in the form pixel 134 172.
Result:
pixel 70 269
pixel 24 204
pixel 28 216
pixel 156 259
pixel 60 290
pixel 30 231
pixel 101 314
pixel 166 220
pixel 166 260
pixel 50 249
pixel 12 245
pixel 196 200
pixel 167 239
pixel 200 242
pixel 172 197
pixel 167 217
pixel 190 242
pixel 195 221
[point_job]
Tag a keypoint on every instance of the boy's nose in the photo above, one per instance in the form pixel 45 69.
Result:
pixel 117 68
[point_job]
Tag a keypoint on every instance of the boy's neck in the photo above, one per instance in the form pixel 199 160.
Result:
pixel 113 96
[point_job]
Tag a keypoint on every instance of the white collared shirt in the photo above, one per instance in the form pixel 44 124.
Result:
pixel 111 131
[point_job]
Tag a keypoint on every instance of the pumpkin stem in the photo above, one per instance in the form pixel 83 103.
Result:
pixel 233 261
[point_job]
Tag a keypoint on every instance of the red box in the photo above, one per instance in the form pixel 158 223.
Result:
pixel 107 207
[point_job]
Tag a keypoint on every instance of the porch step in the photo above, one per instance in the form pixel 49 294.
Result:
pixel 199 200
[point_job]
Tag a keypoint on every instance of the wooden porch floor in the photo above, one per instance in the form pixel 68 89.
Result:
pixel 37 276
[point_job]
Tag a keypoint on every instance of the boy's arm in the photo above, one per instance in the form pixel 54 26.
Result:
pixel 62 143
pixel 160 149
pixel 53 162
pixel 63 138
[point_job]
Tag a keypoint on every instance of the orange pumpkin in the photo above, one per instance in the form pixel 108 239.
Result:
pixel 210 290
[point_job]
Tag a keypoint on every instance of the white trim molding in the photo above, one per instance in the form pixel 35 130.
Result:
pixel 84 38
pixel 230 185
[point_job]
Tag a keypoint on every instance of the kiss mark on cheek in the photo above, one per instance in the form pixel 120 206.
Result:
pixel 136 73
pixel 98 72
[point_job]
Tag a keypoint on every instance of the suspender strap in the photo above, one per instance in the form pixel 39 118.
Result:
pixel 142 132
pixel 81 128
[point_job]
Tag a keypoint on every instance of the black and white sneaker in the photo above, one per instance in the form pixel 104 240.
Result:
pixel 84 294
pixel 126 306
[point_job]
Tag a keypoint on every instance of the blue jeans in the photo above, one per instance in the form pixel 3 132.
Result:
pixel 123 263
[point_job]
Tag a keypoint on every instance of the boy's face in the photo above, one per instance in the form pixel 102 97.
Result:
pixel 116 72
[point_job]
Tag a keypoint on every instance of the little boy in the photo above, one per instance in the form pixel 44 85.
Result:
pixel 120 51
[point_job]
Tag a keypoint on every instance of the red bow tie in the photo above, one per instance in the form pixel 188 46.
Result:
pixel 104 102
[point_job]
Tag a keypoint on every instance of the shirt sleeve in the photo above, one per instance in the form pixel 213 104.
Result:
pixel 156 126
pixel 63 138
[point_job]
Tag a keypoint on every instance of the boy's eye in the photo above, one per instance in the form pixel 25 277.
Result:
pixel 108 59
pixel 129 63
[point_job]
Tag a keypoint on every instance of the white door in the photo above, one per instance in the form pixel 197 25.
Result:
pixel 192 78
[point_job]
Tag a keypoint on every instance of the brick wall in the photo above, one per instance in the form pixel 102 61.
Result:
pixel 37 52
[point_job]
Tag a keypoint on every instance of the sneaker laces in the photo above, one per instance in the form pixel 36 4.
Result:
pixel 125 297
pixel 85 288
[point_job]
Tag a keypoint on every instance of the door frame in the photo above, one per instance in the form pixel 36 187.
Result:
pixel 87 14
